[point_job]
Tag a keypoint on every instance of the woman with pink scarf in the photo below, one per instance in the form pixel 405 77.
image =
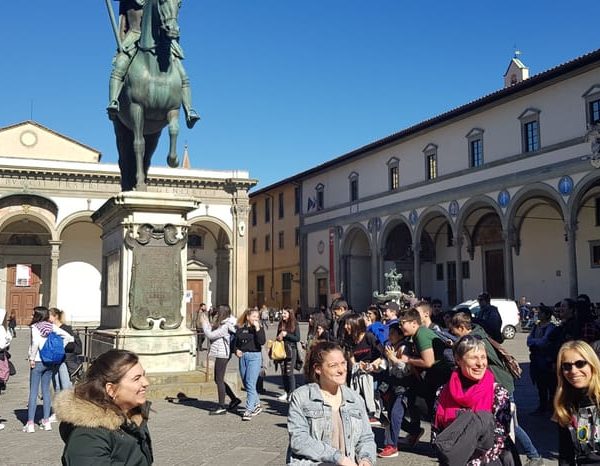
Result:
pixel 472 412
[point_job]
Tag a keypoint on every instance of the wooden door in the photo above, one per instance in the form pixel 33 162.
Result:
pixel 22 299
pixel 494 273
pixel 196 286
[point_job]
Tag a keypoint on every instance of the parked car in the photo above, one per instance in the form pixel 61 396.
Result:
pixel 509 313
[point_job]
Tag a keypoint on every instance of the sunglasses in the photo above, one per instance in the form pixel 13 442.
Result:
pixel 567 366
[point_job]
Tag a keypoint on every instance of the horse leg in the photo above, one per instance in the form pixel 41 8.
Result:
pixel 139 145
pixel 124 146
pixel 173 118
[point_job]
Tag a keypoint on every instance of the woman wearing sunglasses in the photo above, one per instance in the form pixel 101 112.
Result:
pixel 576 404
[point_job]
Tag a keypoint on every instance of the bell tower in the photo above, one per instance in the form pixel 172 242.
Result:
pixel 516 71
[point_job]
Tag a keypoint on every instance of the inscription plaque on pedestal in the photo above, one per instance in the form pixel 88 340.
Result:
pixel 156 289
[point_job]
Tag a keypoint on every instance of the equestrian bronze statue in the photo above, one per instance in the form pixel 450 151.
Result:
pixel 148 85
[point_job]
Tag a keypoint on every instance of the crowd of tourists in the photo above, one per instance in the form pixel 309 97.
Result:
pixel 390 367
pixel 415 364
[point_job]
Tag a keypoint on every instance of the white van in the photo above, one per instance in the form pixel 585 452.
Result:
pixel 509 313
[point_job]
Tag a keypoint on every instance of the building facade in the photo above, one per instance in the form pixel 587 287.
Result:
pixel 51 251
pixel 274 248
pixel 501 194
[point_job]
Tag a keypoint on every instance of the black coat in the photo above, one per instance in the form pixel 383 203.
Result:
pixel 98 436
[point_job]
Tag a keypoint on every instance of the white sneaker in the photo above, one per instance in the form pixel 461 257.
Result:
pixel 2 426
pixel 45 425
pixel 283 397
pixel 52 419
pixel 29 428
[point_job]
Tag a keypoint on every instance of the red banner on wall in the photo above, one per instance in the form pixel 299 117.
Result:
pixel 332 261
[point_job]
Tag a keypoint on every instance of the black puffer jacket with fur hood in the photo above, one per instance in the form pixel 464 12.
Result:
pixel 98 436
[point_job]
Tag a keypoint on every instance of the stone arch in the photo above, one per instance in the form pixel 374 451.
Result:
pixel 477 202
pixel 350 234
pixel 79 261
pixel 209 263
pixel 356 270
pixel 81 216
pixel 481 214
pixel 430 214
pixel 534 224
pixel 587 183
pixel 217 221
pixel 526 193
pixel 392 222
pixel 526 200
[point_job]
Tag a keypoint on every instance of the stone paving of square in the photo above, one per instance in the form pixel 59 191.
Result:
pixel 184 433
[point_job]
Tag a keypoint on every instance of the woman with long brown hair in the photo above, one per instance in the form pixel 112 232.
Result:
pixel 577 404
pixel 288 331
pixel 104 418
pixel 219 334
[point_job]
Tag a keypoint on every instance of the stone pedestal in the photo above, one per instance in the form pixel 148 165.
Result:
pixel 144 258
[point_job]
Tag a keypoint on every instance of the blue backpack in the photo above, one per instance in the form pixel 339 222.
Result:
pixel 53 351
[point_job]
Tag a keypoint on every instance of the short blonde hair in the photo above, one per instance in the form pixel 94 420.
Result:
pixel 565 399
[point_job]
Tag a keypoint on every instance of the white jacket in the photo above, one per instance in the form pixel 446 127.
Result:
pixel 220 337
pixel 5 337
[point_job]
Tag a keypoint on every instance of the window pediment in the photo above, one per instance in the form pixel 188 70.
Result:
pixel 595 89
pixel 431 147
pixel 474 133
pixel 530 113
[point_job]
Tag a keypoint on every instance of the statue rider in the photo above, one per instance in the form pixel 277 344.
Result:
pixel 130 27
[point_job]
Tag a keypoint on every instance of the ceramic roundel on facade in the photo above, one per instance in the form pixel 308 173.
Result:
pixel 503 198
pixel 320 247
pixel 453 208
pixel 413 217
pixel 565 185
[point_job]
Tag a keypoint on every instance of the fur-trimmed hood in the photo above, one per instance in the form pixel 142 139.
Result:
pixel 86 429
pixel 78 412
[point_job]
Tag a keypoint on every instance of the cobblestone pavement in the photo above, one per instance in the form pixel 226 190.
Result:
pixel 184 434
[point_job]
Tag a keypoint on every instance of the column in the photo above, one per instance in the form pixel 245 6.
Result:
pixel 380 270
pixel 509 280
pixel 458 242
pixel 54 258
pixel 417 268
pixel 571 237
pixel 223 272
pixel 239 256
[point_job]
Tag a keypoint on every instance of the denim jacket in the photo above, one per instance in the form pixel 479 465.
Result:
pixel 310 427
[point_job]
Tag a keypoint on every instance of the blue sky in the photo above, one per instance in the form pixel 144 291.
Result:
pixel 285 85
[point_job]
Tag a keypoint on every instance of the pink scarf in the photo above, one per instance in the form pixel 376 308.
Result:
pixel 478 397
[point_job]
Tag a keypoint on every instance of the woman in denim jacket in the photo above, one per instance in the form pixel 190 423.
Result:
pixel 328 422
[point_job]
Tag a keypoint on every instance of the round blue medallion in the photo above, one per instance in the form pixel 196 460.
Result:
pixel 453 208
pixel 503 198
pixel 565 185
pixel 413 217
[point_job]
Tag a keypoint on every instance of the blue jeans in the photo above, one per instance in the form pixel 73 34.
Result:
pixel 521 436
pixel 61 379
pixel 40 374
pixel 250 364
pixel 397 422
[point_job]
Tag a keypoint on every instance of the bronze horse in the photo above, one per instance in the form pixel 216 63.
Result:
pixel 151 96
